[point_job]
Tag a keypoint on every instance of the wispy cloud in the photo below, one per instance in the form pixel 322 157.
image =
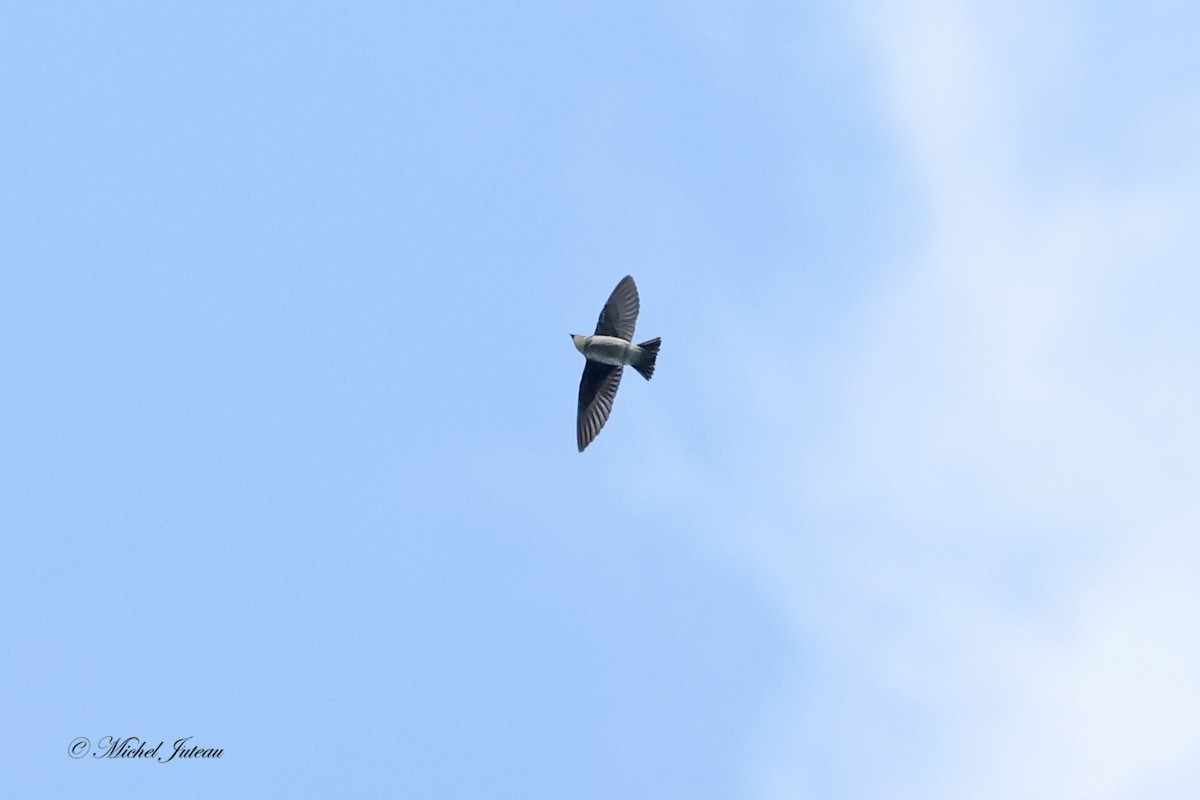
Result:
pixel 990 547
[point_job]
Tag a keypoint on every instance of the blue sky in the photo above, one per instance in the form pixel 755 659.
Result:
pixel 287 456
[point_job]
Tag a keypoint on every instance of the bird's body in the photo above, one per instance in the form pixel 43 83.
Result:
pixel 608 351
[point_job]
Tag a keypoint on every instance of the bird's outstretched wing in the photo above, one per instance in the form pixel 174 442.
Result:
pixel 620 312
pixel 597 390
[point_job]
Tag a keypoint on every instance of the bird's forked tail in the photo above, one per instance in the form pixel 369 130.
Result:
pixel 646 358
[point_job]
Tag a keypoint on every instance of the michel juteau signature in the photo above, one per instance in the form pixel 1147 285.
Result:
pixel 133 747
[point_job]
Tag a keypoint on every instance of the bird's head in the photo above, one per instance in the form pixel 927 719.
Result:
pixel 580 340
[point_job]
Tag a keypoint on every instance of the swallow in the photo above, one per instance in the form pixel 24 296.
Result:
pixel 608 351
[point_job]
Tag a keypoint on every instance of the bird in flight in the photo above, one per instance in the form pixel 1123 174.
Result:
pixel 607 352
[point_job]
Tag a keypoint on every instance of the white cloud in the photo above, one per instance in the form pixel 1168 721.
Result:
pixel 991 552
